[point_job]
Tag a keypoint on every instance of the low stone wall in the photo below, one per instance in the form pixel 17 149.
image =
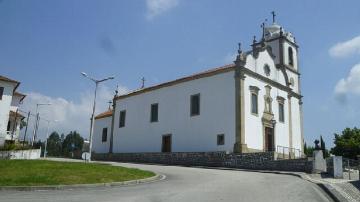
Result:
pixel 259 161
pixel 21 154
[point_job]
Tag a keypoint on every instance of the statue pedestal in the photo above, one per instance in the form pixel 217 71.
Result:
pixel 338 167
pixel 319 165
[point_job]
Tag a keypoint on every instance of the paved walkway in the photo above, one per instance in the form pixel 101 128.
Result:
pixel 188 184
pixel 349 190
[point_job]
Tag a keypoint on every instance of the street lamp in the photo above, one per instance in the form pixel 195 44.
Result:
pixel 36 126
pixel 96 81
pixel 47 136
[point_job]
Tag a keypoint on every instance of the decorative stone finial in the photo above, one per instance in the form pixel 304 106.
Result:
pixel 241 57
pixel 263 29
pixel 116 90
pixel 281 31
pixel 239 50
pixel 254 39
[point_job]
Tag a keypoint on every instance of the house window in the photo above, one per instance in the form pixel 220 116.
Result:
pixel 104 135
pixel 254 99
pixel 195 105
pixel 154 112
pixel 281 102
pixel 291 56
pixel 122 119
pixel 1 92
pixel 220 139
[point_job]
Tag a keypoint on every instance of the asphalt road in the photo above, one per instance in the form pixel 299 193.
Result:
pixel 188 184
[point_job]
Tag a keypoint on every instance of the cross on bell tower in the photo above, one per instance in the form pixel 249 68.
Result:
pixel 273 16
pixel 110 102
pixel 142 82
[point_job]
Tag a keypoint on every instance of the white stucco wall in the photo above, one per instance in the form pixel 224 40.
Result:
pixel 254 134
pixel 99 146
pixel 296 126
pixel 189 133
pixel 5 103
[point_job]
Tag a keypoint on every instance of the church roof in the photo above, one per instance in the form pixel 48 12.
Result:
pixel 104 114
pixel 207 73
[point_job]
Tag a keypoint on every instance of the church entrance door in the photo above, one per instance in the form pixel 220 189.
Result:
pixel 269 139
pixel 166 143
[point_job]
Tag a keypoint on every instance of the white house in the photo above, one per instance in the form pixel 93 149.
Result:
pixel 10 117
pixel 252 105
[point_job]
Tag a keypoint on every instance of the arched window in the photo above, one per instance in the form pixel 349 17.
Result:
pixel 291 56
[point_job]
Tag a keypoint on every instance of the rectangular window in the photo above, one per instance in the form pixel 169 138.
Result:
pixel 195 105
pixel 154 112
pixel 220 139
pixel 1 92
pixel 104 135
pixel 281 112
pixel 122 119
pixel 254 103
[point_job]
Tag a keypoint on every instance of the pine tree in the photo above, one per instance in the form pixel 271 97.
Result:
pixel 322 146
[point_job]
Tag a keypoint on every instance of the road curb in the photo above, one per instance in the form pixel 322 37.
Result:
pixel 155 178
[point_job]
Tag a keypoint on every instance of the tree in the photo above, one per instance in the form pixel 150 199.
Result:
pixel 308 151
pixel 347 144
pixel 39 145
pixel 54 145
pixel 73 142
pixel 323 147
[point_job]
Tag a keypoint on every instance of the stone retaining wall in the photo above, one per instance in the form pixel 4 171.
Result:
pixel 21 154
pixel 259 161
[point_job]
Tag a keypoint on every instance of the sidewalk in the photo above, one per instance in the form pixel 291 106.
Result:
pixel 342 189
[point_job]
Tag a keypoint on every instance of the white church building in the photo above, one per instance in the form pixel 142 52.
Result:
pixel 252 105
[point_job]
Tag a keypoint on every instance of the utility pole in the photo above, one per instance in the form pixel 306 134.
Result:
pixel 27 123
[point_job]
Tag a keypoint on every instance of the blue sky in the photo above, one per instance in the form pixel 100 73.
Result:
pixel 46 44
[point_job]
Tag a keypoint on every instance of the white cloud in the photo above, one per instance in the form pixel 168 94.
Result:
pixel 70 115
pixel 346 48
pixel 157 7
pixel 349 85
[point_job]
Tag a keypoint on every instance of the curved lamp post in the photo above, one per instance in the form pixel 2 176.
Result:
pixel 96 81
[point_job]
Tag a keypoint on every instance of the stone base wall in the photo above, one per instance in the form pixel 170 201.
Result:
pixel 21 154
pixel 259 160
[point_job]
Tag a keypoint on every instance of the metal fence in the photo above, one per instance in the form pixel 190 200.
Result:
pixel 288 152
pixel 351 169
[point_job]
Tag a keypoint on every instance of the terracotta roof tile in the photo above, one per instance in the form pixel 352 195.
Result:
pixel 104 114
pixel 203 74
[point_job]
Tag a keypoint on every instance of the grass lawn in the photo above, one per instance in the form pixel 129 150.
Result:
pixel 41 172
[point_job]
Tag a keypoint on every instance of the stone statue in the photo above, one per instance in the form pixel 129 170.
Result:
pixel 317 147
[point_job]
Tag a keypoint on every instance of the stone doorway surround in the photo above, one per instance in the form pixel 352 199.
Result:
pixel 268 120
